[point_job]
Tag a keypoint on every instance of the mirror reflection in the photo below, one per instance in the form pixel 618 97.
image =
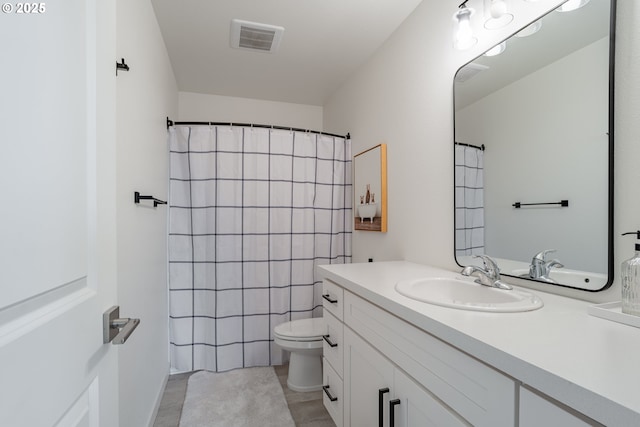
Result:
pixel 532 168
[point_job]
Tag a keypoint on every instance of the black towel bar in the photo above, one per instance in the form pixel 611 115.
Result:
pixel 562 203
pixel 137 197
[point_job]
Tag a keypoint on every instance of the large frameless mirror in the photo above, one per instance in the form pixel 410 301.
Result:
pixel 534 151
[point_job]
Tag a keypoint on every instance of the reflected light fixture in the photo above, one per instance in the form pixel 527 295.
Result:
pixel 498 12
pixel 572 5
pixel 530 29
pixel 463 37
pixel 496 50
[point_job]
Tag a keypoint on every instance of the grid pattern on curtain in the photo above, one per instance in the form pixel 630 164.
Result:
pixel 469 200
pixel 252 212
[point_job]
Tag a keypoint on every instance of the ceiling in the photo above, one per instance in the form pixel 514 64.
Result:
pixel 323 43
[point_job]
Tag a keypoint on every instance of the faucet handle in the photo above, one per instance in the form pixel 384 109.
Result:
pixel 489 264
pixel 542 256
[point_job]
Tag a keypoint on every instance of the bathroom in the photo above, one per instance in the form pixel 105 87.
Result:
pixel 400 96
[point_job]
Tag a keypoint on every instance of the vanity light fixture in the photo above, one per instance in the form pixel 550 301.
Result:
pixel 572 5
pixel 529 30
pixel 463 37
pixel 498 13
pixel 496 50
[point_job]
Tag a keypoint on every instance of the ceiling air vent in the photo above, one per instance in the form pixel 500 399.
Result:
pixel 468 71
pixel 254 36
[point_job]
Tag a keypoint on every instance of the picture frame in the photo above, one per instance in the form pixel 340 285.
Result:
pixel 370 189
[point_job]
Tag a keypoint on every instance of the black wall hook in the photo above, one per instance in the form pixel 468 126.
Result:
pixel 137 197
pixel 121 66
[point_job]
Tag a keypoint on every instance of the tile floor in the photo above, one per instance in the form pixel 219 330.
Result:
pixel 306 409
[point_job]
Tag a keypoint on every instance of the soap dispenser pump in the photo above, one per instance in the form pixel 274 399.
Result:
pixel 630 275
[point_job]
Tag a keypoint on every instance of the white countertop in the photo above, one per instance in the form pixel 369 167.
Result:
pixel 588 363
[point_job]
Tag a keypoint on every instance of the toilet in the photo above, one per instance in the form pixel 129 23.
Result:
pixel 303 339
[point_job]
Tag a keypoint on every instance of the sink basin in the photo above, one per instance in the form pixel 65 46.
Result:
pixel 465 294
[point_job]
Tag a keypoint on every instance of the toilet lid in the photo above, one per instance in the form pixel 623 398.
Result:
pixel 303 329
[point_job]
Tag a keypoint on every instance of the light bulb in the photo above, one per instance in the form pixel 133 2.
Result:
pixel 572 5
pixel 498 8
pixel 498 11
pixel 529 30
pixel 496 50
pixel 463 37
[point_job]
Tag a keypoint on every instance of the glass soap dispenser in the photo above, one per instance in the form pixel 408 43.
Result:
pixel 631 281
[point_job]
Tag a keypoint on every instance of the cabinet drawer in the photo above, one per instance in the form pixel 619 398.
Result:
pixel 480 394
pixel 334 383
pixel 332 298
pixel 333 343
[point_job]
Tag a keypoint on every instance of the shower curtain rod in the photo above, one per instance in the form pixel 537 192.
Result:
pixel 172 123
pixel 470 145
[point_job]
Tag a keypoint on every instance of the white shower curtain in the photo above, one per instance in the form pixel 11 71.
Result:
pixel 252 212
pixel 469 194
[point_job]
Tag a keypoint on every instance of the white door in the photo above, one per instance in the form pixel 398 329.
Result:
pixel 57 213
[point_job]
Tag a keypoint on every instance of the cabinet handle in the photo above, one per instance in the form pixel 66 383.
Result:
pixel 331 343
pixel 381 394
pixel 329 395
pixel 392 404
pixel 328 298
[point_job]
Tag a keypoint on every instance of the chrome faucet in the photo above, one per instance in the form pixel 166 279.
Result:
pixel 487 276
pixel 540 267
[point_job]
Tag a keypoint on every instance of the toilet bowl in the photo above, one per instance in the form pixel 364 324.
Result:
pixel 303 338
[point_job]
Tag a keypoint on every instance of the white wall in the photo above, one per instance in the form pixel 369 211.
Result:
pixel 403 97
pixel 557 156
pixel 195 107
pixel 146 95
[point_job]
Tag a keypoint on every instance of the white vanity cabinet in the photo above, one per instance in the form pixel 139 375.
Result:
pixel 556 366
pixel 429 381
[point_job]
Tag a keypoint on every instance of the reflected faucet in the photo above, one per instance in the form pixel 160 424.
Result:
pixel 540 267
pixel 487 276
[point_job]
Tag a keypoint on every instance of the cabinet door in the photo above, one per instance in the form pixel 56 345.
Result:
pixel 418 408
pixel 537 411
pixel 365 372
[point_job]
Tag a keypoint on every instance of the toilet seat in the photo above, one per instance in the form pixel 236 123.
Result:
pixel 301 330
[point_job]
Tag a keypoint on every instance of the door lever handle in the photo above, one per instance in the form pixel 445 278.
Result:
pixel 115 329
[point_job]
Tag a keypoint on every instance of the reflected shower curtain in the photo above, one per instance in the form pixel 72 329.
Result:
pixel 252 212
pixel 469 194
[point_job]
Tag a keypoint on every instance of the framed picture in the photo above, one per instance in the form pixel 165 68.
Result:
pixel 370 189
